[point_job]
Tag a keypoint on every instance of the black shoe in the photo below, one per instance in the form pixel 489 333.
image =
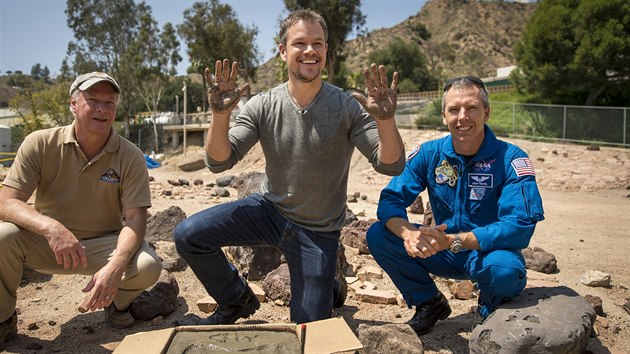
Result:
pixel 429 313
pixel 243 307
pixel 340 291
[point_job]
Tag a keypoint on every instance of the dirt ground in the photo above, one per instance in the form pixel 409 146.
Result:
pixel 586 196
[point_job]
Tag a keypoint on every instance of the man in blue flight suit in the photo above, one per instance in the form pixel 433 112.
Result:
pixel 485 203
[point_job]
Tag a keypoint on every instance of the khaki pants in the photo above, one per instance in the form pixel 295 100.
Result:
pixel 19 248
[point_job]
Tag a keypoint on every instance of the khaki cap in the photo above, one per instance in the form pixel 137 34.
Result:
pixel 85 81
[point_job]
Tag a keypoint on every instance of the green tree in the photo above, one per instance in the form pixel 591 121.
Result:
pixel 122 39
pixel 576 52
pixel 41 106
pixel 212 32
pixel 342 17
pixel 19 80
pixel 39 73
pixel 410 63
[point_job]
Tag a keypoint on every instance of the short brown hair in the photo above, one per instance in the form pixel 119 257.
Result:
pixel 306 15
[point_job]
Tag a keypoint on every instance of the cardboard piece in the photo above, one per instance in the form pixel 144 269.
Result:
pixel 330 336
pixel 325 336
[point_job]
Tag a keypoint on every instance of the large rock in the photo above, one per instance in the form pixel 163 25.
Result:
pixel 277 284
pixel 158 300
pixel 256 262
pixel 540 260
pixel 389 338
pixel 248 183
pixel 353 235
pixel 171 260
pixel 541 320
pixel 428 216
pixel 161 225
pixel 417 207
pixel 193 162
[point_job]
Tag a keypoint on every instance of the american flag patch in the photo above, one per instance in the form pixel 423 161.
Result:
pixel 523 167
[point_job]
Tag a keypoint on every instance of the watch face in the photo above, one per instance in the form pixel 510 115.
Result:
pixel 456 247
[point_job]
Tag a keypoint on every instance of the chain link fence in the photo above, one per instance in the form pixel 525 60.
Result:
pixel 583 124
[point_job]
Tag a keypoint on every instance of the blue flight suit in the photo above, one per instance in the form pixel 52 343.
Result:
pixel 493 194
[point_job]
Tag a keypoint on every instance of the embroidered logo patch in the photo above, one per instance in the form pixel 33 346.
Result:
pixel 413 153
pixel 477 193
pixel 445 173
pixel 110 176
pixel 483 180
pixel 483 166
pixel 523 167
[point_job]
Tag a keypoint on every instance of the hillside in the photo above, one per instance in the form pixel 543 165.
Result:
pixel 466 38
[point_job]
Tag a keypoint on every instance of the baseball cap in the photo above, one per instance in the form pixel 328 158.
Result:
pixel 85 81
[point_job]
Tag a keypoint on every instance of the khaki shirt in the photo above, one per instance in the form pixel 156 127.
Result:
pixel 87 197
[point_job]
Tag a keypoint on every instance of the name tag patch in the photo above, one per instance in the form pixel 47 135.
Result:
pixel 480 180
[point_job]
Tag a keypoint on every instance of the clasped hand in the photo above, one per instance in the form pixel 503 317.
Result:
pixel 426 241
pixel 223 95
pixel 380 102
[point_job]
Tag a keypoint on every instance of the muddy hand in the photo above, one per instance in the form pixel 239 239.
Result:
pixel 381 99
pixel 223 95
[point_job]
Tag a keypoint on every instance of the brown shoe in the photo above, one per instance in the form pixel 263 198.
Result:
pixel 8 329
pixel 118 318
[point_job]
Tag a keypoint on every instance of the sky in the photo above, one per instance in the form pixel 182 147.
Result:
pixel 35 31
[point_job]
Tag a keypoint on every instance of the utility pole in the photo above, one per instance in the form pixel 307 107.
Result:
pixel 185 95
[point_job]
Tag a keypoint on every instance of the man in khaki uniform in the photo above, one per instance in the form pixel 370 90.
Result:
pixel 90 210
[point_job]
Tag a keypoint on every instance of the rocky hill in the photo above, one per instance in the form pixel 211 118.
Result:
pixel 466 38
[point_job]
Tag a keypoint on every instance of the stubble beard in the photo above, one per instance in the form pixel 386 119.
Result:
pixel 306 79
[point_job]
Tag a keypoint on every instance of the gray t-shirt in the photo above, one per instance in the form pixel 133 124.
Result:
pixel 307 152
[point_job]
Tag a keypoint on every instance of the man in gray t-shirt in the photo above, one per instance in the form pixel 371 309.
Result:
pixel 308 130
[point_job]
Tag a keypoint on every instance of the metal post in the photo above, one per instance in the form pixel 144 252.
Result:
pixel 176 105
pixel 185 91
pixel 564 124
pixel 513 118
pixel 625 111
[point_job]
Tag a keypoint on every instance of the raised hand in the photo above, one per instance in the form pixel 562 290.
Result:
pixel 223 95
pixel 380 102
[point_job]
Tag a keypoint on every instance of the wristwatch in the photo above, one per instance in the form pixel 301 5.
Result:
pixel 457 245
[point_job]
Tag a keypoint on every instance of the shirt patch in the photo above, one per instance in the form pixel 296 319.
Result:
pixel 483 166
pixel 445 173
pixel 477 193
pixel 523 167
pixel 110 176
pixel 482 180
pixel 415 152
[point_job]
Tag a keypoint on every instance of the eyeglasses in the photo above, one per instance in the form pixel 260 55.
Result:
pixel 472 79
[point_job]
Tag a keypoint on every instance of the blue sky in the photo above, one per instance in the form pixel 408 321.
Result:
pixel 35 31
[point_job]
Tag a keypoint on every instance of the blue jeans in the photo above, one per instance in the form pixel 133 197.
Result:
pixel 254 221
pixel 500 274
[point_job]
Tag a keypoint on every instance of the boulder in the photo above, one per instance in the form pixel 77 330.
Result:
pixel 353 235
pixel 541 320
pixel 194 162
pixel 540 260
pixel 158 300
pixel 161 225
pixel 389 338
pixel 256 262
